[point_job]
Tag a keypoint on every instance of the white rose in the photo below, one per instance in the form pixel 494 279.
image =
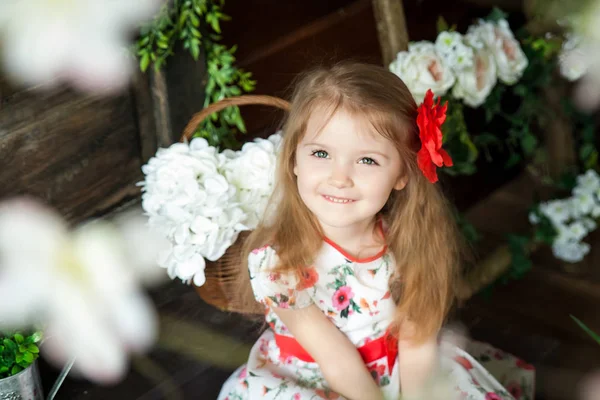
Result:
pixel 499 39
pixel 422 68
pixel 455 52
pixel 474 84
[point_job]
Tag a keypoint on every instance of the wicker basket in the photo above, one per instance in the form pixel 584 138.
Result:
pixel 223 274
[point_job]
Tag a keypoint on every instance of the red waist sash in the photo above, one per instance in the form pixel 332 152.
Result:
pixel 385 346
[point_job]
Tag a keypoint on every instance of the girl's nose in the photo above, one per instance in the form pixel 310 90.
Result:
pixel 340 177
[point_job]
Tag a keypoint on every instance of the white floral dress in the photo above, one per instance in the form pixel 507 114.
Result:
pixel 354 295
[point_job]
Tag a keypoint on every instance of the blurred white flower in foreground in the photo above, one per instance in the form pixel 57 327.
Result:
pixel 80 41
pixel 81 286
pixel 573 59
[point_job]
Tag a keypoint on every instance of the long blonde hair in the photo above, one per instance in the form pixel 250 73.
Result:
pixel 421 234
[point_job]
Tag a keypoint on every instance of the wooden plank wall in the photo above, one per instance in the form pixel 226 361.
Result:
pixel 80 154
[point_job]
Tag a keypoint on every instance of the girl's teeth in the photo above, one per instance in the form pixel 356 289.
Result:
pixel 333 199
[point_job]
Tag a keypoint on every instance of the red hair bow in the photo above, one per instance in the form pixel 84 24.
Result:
pixel 430 119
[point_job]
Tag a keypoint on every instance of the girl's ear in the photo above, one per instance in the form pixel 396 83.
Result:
pixel 295 169
pixel 401 182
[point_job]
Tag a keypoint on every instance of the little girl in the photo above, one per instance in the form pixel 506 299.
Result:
pixel 357 263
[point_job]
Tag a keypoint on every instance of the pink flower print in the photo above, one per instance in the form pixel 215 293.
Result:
pixel 274 276
pixel 492 396
pixel 264 347
pixel 287 360
pixel 243 373
pixel 296 397
pixel 341 298
pixel 283 302
pixel 515 389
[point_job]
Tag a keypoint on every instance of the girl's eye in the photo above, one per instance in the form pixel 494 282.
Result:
pixel 368 161
pixel 320 153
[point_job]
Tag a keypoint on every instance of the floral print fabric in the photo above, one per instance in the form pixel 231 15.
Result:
pixel 354 295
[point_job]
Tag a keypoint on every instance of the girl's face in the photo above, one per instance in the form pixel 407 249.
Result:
pixel 346 171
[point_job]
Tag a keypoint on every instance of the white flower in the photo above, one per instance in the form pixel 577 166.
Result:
pixel 573 59
pixel 582 204
pixel 499 39
pixel 558 211
pixel 587 183
pixel 83 42
pixel 595 213
pixel 533 218
pixel 188 197
pixel 252 172
pixel 455 52
pixel 589 224
pixel 570 251
pixel 79 285
pixel 572 232
pixel 422 68
pixel 474 84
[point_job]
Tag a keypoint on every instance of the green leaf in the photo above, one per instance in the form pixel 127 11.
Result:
pixel 19 357
pixel 15 370
pixel 28 358
pixel 486 139
pixel 19 338
pixel 520 90
pixel 496 15
pixel 32 348
pixel 520 262
pixel 513 160
pixel 442 25
pixel 529 143
pixel 144 62
pixel 590 332
pixel 36 337
pixel 344 313
pixel 3 370
pixel 10 345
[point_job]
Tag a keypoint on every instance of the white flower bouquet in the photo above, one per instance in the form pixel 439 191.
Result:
pixel 468 64
pixel 570 219
pixel 200 199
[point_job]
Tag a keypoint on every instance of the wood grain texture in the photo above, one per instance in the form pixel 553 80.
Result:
pixel 80 154
pixel 391 28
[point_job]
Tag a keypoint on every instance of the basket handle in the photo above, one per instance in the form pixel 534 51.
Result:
pixel 265 100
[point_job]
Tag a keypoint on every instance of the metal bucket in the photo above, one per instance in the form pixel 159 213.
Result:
pixel 26 385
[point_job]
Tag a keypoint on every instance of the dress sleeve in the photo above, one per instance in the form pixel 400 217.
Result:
pixel 274 289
